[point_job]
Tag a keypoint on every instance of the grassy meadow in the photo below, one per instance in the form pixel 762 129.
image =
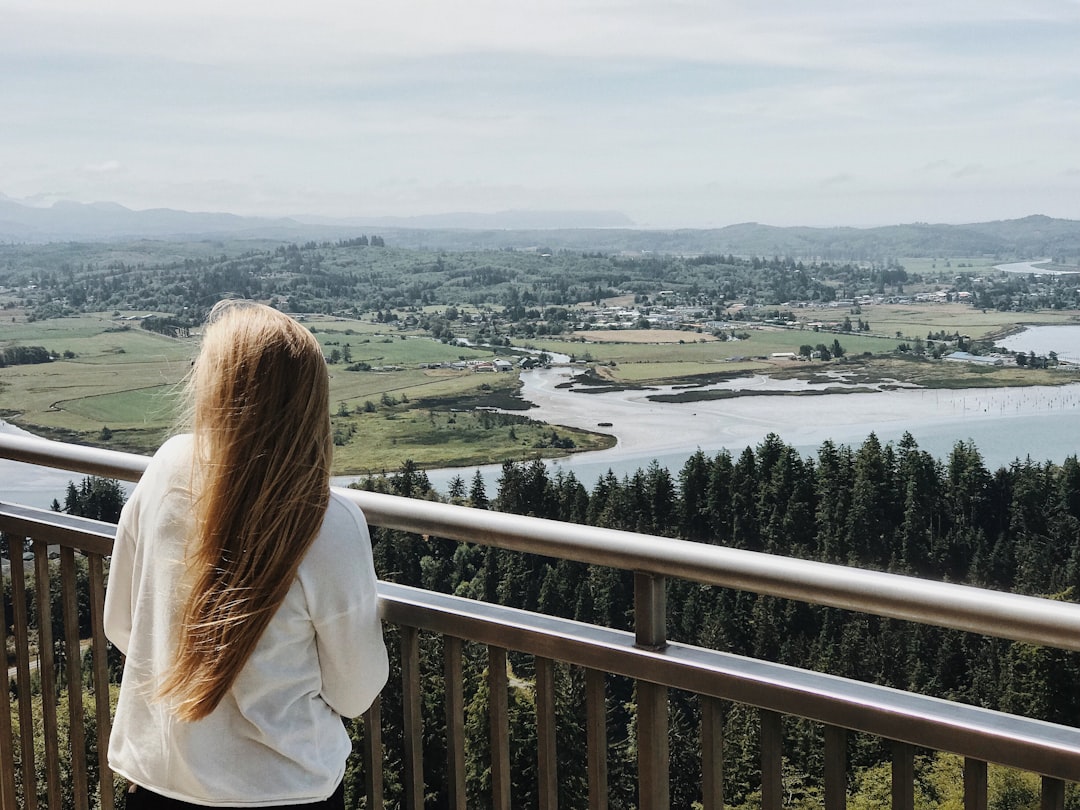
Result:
pixel 111 374
pixel 123 378
pixel 637 361
pixel 918 320
pixel 379 442
pixel 934 267
pixel 390 407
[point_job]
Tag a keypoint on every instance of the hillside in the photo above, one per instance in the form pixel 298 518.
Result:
pixel 1030 237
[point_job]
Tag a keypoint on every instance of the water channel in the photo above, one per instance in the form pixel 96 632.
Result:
pixel 1032 268
pixel 1004 423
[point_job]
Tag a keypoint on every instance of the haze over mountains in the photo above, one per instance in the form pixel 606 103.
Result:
pixel 108 220
pixel 610 231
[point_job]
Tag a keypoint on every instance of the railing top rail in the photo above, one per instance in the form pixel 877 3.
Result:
pixel 73 457
pixel 1021 618
pixel 972 731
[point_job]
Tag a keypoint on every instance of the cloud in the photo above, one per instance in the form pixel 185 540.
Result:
pixel 935 166
pixel 104 167
pixel 493 105
pixel 837 35
pixel 842 179
pixel 970 170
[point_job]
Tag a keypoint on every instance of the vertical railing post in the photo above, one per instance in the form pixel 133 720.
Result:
pixel 47 673
pixel 22 673
pixel 73 670
pixel 903 776
pixel 7 742
pixel 1053 794
pixel 835 768
pixel 596 738
pixel 650 627
pixel 546 754
pixel 712 754
pixel 96 571
pixel 772 761
pixel 373 754
pixel 974 784
pixel 499 718
pixel 455 723
pixel 413 731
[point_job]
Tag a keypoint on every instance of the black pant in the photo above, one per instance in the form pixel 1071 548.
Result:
pixel 142 799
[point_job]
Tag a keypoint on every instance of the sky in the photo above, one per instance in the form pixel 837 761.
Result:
pixel 677 113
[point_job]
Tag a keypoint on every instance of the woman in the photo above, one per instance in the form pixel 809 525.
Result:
pixel 241 589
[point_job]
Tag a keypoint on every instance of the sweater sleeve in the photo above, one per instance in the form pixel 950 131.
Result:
pixel 120 591
pixel 125 565
pixel 348 632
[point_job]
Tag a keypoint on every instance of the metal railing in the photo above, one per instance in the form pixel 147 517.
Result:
pixel 909 720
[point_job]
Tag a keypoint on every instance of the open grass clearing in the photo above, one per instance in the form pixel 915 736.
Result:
pixel 935 267
pixel 380 344
pixel 346 327
pixel 157 406
pixel 918 320
pixel 950 375
pixel 49 393
pixel 631 352
pixel 381 441
pixel 644 336
pixel 129 381
pixel 927 373
pixel 394 351
pixel 58 334
pixel 761 342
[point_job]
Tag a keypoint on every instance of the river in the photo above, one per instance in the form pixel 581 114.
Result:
pixel 1004 423
pixel 1063 339
pixel 1030 268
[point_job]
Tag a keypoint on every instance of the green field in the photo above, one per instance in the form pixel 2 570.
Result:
pixel 121 377
pixel 148 406
pixel 917 320
pixel 384 439
pixel 117 377
pixel 130 381
pixel 936 267
pixel 639 362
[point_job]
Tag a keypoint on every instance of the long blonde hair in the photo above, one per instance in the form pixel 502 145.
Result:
pixel 261 478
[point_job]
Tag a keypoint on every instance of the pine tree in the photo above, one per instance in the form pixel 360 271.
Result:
pixel 478 498
pixel 693 505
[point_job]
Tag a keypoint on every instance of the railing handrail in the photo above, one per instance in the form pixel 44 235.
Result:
pixel 1020 618
pixel 920 720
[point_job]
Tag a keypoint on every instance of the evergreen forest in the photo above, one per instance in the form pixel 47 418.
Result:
pixel 879 506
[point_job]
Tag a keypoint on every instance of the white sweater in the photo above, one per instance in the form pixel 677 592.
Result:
pixel 277 736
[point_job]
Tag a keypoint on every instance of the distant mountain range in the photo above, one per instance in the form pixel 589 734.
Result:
pixel 97 221
pixel 609 231
pixel 499 220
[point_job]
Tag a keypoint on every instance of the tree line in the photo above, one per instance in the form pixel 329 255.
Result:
pixel 349 277
pixel 24 355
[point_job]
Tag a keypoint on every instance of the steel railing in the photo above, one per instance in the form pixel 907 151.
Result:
pixel 910 720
